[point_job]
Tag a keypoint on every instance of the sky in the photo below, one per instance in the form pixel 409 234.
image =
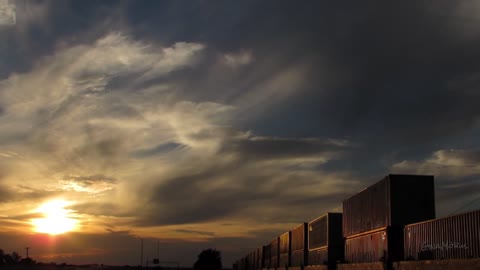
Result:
pixel 222 124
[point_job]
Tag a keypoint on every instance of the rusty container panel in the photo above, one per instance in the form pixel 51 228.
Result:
pixel 284 261
pixel 266 256
pixel 274 261
pixel 285 243
pixel 299 237
pixel 285 249
pixel 298 258
pixel 299 245
pixel 329 256
pixel 274 255
pixel 382 245
pixel 318 256
pixel 318 232
pixel 325 231
pixel 325 240
pixel 396 200
pixel 367 248
pixel 453 237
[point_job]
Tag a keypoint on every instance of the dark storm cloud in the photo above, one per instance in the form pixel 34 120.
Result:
pixel 42 26
pixel 179 201
pixel 265 148
pixel 196 197
pixel 396 75
pixel 372 72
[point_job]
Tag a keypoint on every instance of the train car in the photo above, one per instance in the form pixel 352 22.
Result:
pixel 299 246
pixel 453 237
pixel 285 249
pixel 325 241
pixel 252 260
pixel 267 256
pixel 396 200
pixel 373 219
pixel 384 245
pixel 274 254
pixel 261 257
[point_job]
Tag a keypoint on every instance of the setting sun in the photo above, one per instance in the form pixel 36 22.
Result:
pixel 56 220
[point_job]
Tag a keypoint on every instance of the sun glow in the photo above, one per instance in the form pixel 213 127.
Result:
pixel 56 220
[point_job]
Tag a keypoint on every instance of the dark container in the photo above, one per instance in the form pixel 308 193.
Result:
pixel 249 261
pixel 285 249
pixel 299 245
pixel 260 259
pixel 325 241
pixel 453 237
pixel 267 256
pixel 385 245
pixel 245 265
pixel 396 200
pixel 274 255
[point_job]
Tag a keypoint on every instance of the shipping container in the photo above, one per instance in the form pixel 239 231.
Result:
pixel 274 255
pixel 267 256
pixel 385 245
pixel 285 249
pixel 245 264
pixel 260 251
pixel 251 261
pixel 299 245
pixel 325 241
pixel 453 237
pixel 396 200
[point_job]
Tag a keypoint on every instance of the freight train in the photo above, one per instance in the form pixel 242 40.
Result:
pixel 392 220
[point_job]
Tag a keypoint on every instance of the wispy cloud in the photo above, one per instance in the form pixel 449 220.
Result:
pixel 450 163
pixel 239 59
pixel 139 147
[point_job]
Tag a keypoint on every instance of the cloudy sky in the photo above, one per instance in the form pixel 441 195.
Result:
pixel 225 123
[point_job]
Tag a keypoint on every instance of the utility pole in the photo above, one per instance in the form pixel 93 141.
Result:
pixel 27 248
pixel 141 252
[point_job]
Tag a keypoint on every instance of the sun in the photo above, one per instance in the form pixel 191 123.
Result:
pixel 56 218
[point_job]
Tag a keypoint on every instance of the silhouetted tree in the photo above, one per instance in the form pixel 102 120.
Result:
pixel 8 259
pixel 208 259
pixel 16 257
